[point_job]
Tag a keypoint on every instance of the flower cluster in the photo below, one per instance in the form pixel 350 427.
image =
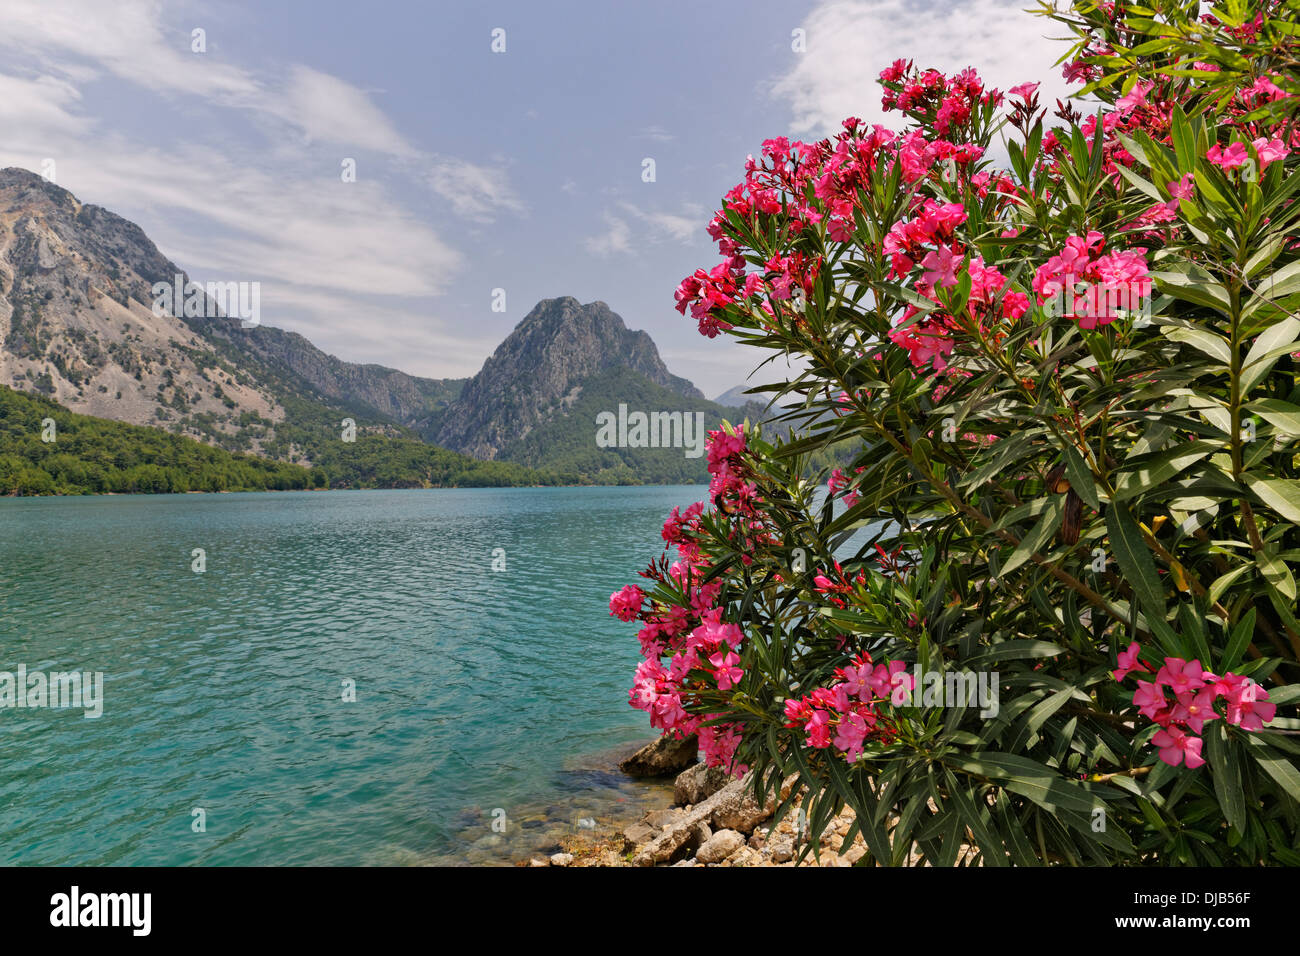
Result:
pixel 846 715
pixel 1195 692
pixel 1084 285
pixel 703 650
pixel 1236 154
pixel 937 101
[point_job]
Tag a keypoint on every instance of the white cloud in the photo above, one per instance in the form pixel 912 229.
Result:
pixel 356 330
pixel 124 38
pixel 205 208
pixel 683 227
pixel 615 239
pixel 474 192
pixel 82 39
pixel 656 133
pixel 851 41
pixel 33 110
pixel 680 227
pixel 346 263
pixel 329 110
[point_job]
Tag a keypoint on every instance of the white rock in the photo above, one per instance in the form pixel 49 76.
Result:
pixel 720 846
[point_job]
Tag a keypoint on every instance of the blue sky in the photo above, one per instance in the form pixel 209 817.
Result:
pixel 476 170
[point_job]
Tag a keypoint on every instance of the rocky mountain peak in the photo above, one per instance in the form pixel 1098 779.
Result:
pixel 538 371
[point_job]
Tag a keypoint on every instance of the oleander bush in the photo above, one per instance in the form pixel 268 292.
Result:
pixel 1062 339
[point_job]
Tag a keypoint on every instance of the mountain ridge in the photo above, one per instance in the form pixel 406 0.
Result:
pixel 79 325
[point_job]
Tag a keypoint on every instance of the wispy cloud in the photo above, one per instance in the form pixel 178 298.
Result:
pixel 475 192
pixel 125 39
pixel 684 227
pixel 617 238
pixel 329 110
pixel 656 133
pixel 265 204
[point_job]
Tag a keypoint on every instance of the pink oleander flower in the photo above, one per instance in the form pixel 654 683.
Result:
pixel 1177 746
pixel 1270 151
pixel 1194 710
pixel 857 679
pixel 667 712
pixel 818 729
pixel 1128 662
pixel 1182 188
pixel 850 734
pixel 1181 676
pixel 1232 157
pixel 1150 699
pixel 714 633
pixel 797 712
pixel 839 229
pixel 626 604
pixel 1135 98
pixel 726 670
pixel 1248 707
pixel 888 678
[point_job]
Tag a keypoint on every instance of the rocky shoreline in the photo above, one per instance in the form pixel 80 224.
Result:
pixel 713 821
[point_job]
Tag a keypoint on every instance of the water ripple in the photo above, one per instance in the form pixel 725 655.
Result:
pixel 224 690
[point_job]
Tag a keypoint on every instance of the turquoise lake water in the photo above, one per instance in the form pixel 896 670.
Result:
pixel 482 695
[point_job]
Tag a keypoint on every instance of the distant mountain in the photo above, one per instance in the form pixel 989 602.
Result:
pixel 538 399
pixel 537 373
pixel 77 324
pixel 736 397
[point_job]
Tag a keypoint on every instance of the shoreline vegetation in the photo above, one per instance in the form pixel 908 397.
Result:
pixel 47 450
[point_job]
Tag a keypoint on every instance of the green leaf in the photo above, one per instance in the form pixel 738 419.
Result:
pixel 1017 650
pixel 1281 415
pixel 1038 535
pixel 1238 641
pixel 1222 582
pixel 1227 776
pixel 1080 477
pixel 1276 573
pixel 1284 282
pixel 1276 766
pixel 1041 784
pixel 1216 347
pixel 1280 494
pixel 1272 344
pixel 1157 469
pixel 1140 571
pixel 1196 286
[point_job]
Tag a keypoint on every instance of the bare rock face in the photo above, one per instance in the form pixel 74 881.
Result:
pixel 698 783
pixel 78 323
pixel 637 834
pixel 662 757
pixel 533 374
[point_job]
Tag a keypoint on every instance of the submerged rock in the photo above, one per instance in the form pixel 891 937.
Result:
pixel 662 757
